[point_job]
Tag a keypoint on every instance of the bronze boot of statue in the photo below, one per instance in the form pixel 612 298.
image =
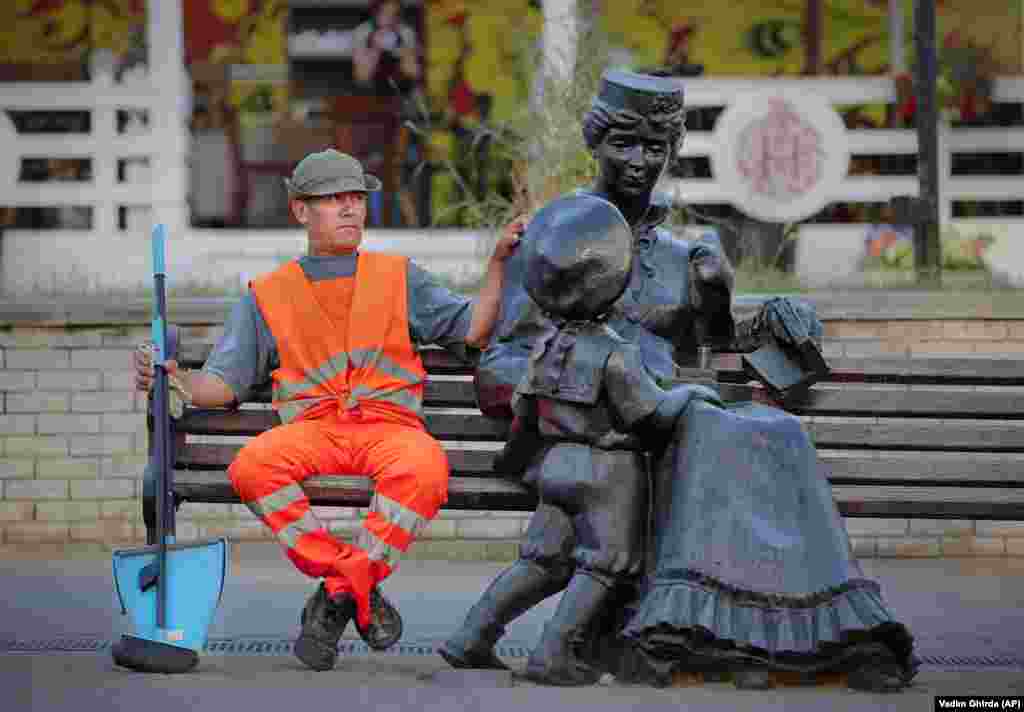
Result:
pixel 556 659
pixel 516 590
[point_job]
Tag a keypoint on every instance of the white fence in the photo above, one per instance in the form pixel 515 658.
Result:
pixel 107 257
pixel 140 167
pixel 869 189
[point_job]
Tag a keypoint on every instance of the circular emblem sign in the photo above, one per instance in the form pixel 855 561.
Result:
pixel 781 155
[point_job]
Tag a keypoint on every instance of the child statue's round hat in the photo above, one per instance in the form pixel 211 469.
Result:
pixel 578 256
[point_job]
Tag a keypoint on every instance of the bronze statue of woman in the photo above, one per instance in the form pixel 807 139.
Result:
pixel 749 566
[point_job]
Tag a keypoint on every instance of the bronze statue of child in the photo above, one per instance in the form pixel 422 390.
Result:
pixel 590 407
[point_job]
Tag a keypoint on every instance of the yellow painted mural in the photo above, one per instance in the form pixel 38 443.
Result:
pixel 479 59
pixel 64 31
pixel 766 37
pixel 480 49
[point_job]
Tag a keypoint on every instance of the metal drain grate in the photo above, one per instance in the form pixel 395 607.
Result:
pixel 269 646
pixel 233 646
pixel 283 646
pixel 970 661
pixel 55 645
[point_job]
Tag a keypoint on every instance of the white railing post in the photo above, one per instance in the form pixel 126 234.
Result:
pixel 897 58
pixel 945 159
pixel 104 158
pixel 559 38
pixel 166 58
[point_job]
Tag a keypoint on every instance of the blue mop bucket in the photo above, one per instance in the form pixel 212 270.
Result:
pixel 195 581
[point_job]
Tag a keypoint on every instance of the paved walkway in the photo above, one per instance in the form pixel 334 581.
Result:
pixel 969 608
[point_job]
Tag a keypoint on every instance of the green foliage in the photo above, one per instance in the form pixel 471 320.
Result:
pixel 961 253
pixel 890 252
pixel 534 156
pixel 756 277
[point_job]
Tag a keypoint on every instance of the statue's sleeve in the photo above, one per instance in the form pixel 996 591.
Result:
pixel 632 392
pixel 524 439
pixel 711 281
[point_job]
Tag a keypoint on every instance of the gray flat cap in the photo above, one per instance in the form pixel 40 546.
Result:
pixel 328 172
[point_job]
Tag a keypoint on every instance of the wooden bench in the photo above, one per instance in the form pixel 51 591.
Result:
pixel 935 438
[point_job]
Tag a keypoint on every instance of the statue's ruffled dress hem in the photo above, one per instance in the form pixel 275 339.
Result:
pixel 751 564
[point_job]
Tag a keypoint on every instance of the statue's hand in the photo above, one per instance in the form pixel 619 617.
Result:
pixel 711 280
pixel 710 267
pixel 789 321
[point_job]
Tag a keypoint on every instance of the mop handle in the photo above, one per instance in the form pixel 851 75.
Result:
pixel 161 417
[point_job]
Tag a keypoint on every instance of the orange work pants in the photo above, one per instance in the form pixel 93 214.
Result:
pixel 410 472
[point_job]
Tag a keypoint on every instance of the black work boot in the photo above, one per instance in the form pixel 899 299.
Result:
pixel 880 674
pixel 515 590
pixel 323 621
pixel 556 659
pixel 385 626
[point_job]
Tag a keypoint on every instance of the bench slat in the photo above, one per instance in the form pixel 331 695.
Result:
pixel 217 456
pixel 922 468
pixel 840 467
pixel 835 399
pixel 436 393
pixel 839 433
pixel 910 434
pixel 822 399
pixel 442 425
pixel 898 369
pixel 880 369
pixel 938 502
pixel 496 494
pixel 355 491
pixel 435 359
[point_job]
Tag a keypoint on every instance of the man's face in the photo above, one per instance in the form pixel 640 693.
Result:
pixel 631 160
pixel 334 223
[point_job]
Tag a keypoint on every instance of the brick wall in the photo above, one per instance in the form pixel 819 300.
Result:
pixel 73 446
pixel 925 337
pixel 72 435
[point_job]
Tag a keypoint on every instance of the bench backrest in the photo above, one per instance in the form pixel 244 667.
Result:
pixel 896 437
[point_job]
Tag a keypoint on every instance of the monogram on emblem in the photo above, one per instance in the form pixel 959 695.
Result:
pixel 781 154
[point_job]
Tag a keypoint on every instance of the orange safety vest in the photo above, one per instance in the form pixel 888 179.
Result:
pixel 373 365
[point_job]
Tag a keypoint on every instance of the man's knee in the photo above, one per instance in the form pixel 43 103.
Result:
pixel 419 476
pixel 245 470
pixel 257 466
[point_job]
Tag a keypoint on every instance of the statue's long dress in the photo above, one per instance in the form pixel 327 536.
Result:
pixel 750 562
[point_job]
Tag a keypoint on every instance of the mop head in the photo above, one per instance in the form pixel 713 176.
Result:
pixel 144 655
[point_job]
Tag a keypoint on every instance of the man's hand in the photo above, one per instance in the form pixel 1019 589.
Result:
pixel 509 240
pixel 144 370
pixel 488 301
pixel 145 375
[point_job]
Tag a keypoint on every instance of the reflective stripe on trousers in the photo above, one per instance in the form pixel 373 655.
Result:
pixel 410 473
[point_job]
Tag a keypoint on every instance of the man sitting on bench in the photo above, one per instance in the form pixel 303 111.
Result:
pixel 336 332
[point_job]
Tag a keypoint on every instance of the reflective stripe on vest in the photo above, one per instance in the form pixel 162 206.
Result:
pixel 335 366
